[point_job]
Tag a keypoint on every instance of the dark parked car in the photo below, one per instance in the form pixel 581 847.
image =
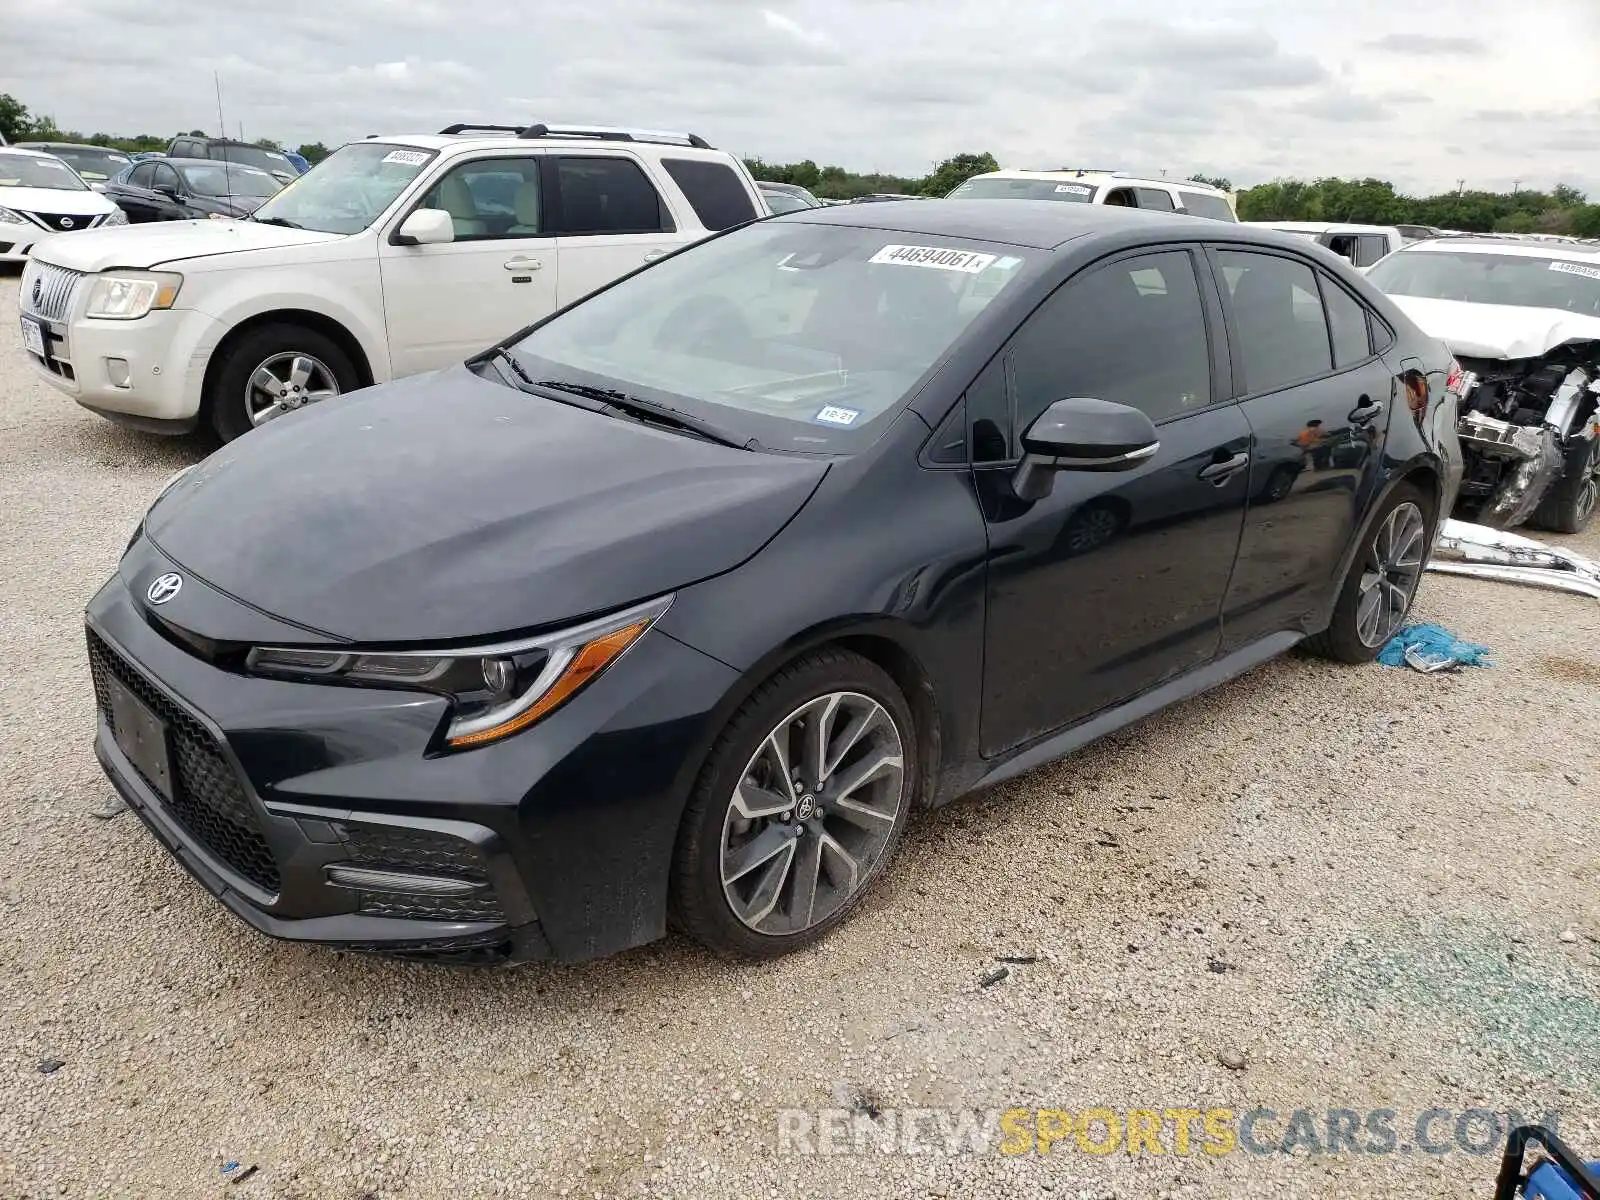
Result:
pixel 274 162
pixel 683 600
pixel 182 189
pixel 94 164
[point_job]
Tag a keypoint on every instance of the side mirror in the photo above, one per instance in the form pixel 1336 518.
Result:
pixel 426 227
pixel 1082 434
pixel 166 189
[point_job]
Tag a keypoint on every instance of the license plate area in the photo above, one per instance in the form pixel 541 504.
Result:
pixel 142 736
pixel 33 337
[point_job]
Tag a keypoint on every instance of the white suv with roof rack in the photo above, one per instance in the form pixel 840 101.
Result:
pixel 1094 186
pixel 395 255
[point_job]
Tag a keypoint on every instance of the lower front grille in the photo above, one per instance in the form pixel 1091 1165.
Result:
pixel 420 852
pixel 207 799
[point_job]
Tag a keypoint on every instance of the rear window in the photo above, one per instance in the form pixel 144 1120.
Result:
pixel 1200 204
pixel 715 191
pixel 993 188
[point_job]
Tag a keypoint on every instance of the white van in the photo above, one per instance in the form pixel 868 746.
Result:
pixel 1100 187
pixel 1363 245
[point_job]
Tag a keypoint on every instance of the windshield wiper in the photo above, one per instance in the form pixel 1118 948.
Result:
pixel 284 221
pixel 647 410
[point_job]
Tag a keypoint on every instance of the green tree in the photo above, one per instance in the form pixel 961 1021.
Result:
pixel 313 152
pixel 954 171
pixel 1219 182
pixel 15 121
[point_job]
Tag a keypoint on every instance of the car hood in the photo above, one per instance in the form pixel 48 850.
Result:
pixel 55 200
pixel 1497 330
pixel 158 242
pixel 449 508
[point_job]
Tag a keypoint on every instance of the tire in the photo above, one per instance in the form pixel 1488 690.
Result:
pixel 1576 495
pixel 1349 637
pixel 230 398
pixel 724 858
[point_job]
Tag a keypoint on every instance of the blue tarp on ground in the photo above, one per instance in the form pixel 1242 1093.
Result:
pixel 1432 642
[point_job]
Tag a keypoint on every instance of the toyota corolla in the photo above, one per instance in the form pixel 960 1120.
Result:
pixel 675 607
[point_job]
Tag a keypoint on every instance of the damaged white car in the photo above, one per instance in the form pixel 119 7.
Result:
pixel 1523 320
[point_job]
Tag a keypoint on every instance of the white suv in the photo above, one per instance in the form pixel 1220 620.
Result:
pixel 395 255
pixel 1100 187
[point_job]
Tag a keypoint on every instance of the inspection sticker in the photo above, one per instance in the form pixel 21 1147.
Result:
pixel 833 415
pixel 1576 269
pixel 1076 189
pixel 408 158
pixel 933 256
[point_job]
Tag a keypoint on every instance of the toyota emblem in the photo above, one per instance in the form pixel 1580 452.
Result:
pixel 164 588
pixel 65 222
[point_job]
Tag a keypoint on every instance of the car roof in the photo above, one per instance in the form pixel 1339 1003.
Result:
pixel 1037 224
pixel 16 149
pixel 1492 245
pixel 68 146
pixel 1325 226
pixel 1095 176
pixel 212 164
pixel 444 142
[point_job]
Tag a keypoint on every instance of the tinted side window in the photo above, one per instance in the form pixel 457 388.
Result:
pixel 608 195
pixel 1277 319
pixel 166 176
pixel 1200 204
pixel 491 198
pixel 989 409
pixel 1373 247
pixel 141 175
pixel 715 191
pixel 1347 321
pixel 1156 198
pixel 1132 332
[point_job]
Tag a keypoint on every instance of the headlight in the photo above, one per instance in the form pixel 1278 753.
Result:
pixel 129 295
pixel 495 691
pixel 8 217
pixel 117 217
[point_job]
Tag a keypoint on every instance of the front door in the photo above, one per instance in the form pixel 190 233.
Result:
pixel 446 302
pixel 1318 400
pixel 610 220
pixel 1114 582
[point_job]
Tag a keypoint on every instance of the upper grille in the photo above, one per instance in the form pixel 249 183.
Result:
pixel 206 797
pixel 47 290
pixel 67 222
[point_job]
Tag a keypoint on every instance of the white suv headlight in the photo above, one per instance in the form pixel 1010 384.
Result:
pixel 129 295
pixel 7 217
pixel 116 217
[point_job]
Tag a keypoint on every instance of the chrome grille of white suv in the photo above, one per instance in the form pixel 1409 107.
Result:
pixel 47 291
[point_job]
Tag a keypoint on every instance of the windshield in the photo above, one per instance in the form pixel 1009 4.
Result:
pixel 255 156
pixel 995 188
pixel 96 165
pixel 226 179
pixel 27 170
pixel 799 335
pixel 784 202
pixel 348 190
pixel 1508 279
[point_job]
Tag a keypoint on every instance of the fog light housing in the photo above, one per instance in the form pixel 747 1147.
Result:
pixel 117 372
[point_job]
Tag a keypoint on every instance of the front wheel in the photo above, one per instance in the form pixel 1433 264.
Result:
pixel 274 370
pixel 799 806
pixel 1573 499
pixel 1377 592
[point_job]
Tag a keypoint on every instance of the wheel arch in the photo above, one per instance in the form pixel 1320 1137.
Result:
pixel 328 326
pixel 1422 473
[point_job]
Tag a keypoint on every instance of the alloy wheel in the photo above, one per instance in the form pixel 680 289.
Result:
pixel 1389 578
pixel 285 382
pixel 1589 490
pixel 813 813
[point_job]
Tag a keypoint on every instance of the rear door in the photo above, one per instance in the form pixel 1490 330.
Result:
pixel 134 196
pixel 609 218
pixel 1317 398
pixel 1115 581
pixel 444 303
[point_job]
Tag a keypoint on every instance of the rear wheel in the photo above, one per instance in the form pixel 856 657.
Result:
pixel 801 803
pixel 273 370
pixel 1381 584
pixel 1573 499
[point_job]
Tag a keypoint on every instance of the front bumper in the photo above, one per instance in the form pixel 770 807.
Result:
pixel 162 357
pixel 559 838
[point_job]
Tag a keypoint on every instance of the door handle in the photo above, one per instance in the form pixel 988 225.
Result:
pixel 524 264
pixel 655 254
pixel 1220 472
pixel 1366 410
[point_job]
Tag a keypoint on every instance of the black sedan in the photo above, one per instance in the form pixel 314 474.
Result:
pixel 182 189
pixel 680 603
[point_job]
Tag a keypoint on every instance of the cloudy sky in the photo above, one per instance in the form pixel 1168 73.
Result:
pixel 1424 94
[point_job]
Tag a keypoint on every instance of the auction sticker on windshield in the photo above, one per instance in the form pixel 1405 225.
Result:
pixel 937 257
pixel 1076 189
pixel 409 158
pixel 1577 269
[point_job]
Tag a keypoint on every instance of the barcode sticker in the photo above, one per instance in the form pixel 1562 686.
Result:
pixel 1576 269
pixel 1076 189
pixel 939 258
pixel 408 158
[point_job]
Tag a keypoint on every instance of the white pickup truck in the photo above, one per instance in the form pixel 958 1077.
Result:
pixel 394 255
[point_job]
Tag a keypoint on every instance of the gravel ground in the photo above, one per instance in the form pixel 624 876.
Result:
pixel 1363 888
